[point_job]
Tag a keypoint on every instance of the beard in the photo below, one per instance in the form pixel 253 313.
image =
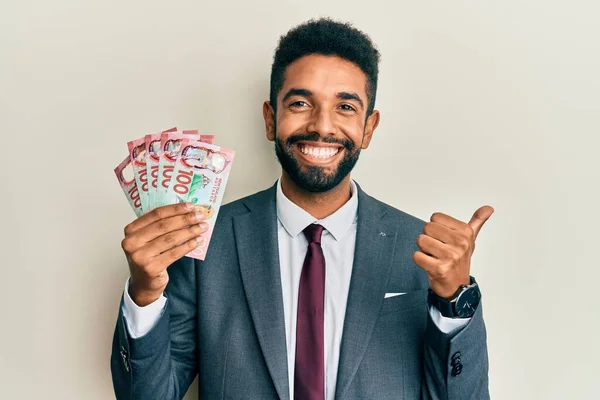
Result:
pixel 313 178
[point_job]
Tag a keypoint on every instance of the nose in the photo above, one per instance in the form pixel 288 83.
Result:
pixel 322 122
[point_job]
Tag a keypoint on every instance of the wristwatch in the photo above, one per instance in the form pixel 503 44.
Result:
pixel 462 305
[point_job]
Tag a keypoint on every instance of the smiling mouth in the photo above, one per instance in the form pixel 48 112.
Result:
pixel 318 153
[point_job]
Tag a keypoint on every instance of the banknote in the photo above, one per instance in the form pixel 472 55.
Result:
pixel 137 154
pixel 129 185
pixel 200 175
pixel 170 145
pixel 152 143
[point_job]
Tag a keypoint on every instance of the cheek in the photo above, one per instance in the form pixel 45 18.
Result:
pixel 289 123
pixel 353 128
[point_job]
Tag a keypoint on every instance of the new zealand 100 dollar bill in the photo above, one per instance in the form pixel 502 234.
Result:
pixel 137 154
pixel 170 146
pixel 129 186
pixel 152 143
pixel 200 175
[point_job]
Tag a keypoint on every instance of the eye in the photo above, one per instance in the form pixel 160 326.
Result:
pixel 298 104
pixel 347 107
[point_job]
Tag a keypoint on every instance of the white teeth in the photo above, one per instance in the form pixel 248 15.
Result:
pixel 319 152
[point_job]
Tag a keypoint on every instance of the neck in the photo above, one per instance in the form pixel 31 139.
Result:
pixel 319 205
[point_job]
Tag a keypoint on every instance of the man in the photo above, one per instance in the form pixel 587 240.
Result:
pixel 310 289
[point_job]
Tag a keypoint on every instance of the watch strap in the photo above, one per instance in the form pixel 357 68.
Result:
pixel 445 306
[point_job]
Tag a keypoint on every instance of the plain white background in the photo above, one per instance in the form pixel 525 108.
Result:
pixel 492 102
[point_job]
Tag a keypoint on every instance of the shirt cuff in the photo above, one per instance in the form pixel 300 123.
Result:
pixel 445 324
pixel 140 320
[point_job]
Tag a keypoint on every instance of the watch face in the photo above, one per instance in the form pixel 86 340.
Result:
pixel 467 303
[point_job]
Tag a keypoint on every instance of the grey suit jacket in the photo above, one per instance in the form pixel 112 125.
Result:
pixel 223 320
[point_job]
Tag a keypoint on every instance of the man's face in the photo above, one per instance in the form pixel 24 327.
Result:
pixel 321 123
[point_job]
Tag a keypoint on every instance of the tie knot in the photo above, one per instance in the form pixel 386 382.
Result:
pixel 313 233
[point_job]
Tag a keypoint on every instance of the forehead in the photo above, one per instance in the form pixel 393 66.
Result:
pixel 325 76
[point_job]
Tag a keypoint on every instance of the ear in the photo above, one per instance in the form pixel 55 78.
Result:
pixel 370 126
pixel 269 116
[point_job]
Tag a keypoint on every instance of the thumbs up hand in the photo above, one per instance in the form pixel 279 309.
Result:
pixel 446 249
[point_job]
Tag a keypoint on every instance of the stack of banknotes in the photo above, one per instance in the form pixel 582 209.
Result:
pixel 176 167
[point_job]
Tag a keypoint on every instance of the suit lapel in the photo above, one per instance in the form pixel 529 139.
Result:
pixel 257 246
pixel 375 241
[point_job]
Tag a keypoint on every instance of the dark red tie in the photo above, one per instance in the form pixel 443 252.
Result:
pixel 309 379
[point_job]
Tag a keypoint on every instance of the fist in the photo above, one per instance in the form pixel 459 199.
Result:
pixel 447 245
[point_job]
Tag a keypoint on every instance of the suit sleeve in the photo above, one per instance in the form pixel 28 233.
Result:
pixel 456 363
pixel 161 364
pixel 140 320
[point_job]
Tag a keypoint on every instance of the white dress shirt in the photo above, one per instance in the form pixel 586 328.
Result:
pixel 338 242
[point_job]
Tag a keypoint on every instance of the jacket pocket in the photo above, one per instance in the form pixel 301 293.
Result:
pixel 404 302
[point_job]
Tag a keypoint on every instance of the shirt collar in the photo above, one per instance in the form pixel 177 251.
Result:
pixel 294 218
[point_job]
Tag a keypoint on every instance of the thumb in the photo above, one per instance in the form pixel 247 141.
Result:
pixel 479 218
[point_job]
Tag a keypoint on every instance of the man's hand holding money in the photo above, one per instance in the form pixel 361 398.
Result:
pixel 176 191
pixel 154 241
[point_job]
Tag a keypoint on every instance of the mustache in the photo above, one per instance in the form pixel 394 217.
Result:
pixel 315 137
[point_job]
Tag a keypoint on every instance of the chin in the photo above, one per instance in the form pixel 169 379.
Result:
pixel 316 176
pixel 314 180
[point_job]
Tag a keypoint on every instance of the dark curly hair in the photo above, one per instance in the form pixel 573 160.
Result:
pixel 327 37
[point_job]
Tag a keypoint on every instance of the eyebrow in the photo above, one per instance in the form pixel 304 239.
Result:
pixel 308 93
pixel 297 92
pixel 351 96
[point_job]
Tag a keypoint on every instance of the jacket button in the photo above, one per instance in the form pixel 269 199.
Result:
pixel 456 356
pixel 457 369
pixel 455 360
